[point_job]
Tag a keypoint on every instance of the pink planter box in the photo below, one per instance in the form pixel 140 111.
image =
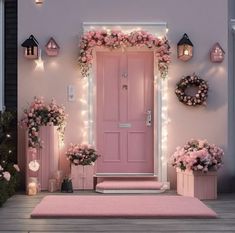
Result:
pixel 197 184
pixel 82 177
pixel 48 156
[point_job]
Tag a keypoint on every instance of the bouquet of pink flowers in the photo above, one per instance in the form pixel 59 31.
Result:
pixel 81 154
pixel 197 155
pixel 38 114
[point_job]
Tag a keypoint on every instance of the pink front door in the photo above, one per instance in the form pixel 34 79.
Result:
pixel 124 97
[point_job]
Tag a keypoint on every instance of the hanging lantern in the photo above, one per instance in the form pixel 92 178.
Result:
pixel 52 48
pixel 39 2
pixel 30 48
pixel 217 53
pixel 185 48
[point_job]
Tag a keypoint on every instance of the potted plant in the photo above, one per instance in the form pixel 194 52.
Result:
pixel 82 159
pixel 196 163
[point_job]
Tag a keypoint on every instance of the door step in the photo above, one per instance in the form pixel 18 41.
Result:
pixel 130 186
pixel 125 175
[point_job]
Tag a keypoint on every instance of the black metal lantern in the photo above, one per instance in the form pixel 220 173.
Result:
pixel 67 186
pixel 185 48
pixel 30 48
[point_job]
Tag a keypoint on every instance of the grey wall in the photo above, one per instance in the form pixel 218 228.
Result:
pixel 232 8
pixel 205 21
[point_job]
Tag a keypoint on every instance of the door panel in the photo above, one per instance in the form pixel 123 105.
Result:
pixel 124 94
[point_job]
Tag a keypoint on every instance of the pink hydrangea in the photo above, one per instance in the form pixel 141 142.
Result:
pixel 197 155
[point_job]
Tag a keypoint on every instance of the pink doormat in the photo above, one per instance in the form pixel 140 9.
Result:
pixel 86 206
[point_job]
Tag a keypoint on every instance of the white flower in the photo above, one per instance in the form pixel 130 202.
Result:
pixel 1 169
pixel 7 175
pixel 200 167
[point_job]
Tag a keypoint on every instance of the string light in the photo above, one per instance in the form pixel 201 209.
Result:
pixel 39 62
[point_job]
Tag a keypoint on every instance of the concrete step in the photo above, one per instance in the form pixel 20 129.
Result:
pixel 130 185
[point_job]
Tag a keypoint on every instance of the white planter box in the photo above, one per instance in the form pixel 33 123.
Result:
pixel 82 177
pixel 197 184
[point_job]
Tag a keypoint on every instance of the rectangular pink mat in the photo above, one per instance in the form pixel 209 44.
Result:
pixel 81 206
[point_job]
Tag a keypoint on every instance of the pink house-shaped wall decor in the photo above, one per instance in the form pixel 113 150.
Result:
pixel 52 48
pixel 217 53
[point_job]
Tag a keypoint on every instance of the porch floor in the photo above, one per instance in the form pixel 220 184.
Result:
pixel 15 217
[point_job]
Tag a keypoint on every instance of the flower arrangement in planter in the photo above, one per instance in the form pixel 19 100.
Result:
pixel 9 171
pixel 116 39
pixel 81 154
pixel 197 155
pixel 196 164
pixel 39 114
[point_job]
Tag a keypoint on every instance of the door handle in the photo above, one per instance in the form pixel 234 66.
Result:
pixel 149 118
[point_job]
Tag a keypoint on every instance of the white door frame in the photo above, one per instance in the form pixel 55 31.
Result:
pixel 2 55
pixel 160 98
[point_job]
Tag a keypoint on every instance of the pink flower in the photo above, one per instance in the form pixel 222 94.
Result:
pixel 7 175
pixel 84 59
pixel 16 167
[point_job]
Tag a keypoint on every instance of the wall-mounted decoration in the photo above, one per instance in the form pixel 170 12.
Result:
pixel 185 48
pixel 30 48
pixel 192 81
pixel 39 2
pixel 217 53
pixel 52 48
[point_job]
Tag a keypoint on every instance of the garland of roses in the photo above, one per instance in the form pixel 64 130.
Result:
pixel 201 95
pixel 41 114
pixel 117 39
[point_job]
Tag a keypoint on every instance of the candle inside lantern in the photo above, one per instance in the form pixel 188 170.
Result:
pixel 32 189
pixel 186 52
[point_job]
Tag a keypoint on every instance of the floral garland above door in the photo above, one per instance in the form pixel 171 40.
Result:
pixel 116 39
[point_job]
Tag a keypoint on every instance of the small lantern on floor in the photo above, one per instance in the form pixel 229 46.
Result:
pixel 52 48
pixel 217 53
pixel 32 187
pixel 185 48
pixel 30 48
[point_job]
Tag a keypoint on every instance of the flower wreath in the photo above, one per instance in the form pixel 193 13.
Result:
pixel 116 39
pixel 201 95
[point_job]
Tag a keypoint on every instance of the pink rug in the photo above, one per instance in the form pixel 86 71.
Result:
pixel 121 206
